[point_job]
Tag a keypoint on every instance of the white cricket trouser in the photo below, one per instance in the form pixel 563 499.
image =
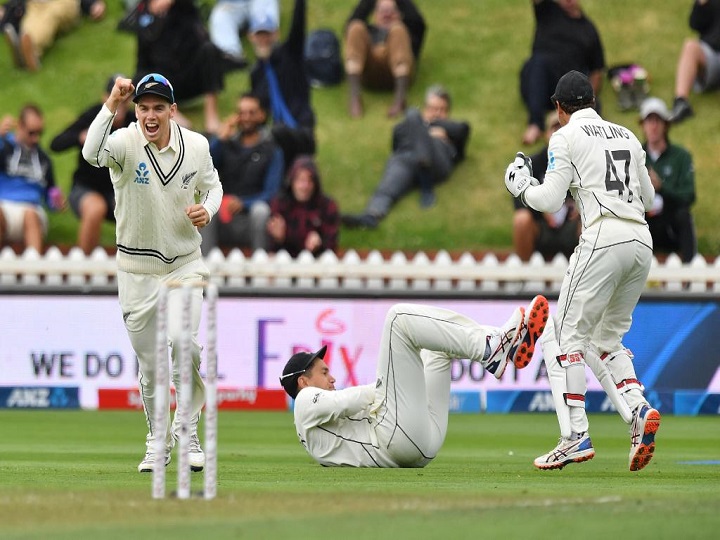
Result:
pixel 138 294
pixel 606 275
pixel 413 393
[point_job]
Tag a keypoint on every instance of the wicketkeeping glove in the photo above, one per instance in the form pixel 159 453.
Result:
pixel 518 175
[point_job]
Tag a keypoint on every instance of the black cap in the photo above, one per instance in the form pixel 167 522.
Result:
pixel 296 366
pixel 156 84
pixel 573 88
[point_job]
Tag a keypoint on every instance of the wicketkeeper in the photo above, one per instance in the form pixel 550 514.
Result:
pixel 603 166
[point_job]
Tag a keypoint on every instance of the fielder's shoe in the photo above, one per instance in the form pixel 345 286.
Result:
pixel 567 451
pixel 536 316
pixel 146 465
pixel 645 423
pixel 196 456
pixel 498 345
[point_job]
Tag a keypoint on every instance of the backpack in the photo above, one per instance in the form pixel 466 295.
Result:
pixel 323 62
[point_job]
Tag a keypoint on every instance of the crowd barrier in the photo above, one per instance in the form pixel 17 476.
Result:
pixel 351 272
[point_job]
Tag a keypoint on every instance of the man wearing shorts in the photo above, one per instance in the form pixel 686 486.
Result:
pixel 26 180
pixel 699 64
pixel 401 419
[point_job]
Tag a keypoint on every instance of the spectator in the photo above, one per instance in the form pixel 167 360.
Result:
pixel 699 63
pixel 250 166
pixel 547 233
pixel 42 22
pixel 26 180
pixel 565 39
pixel 673 177
pixel 278 78
pixel 303 217
pixel 173 41
pixel 91 197
pixel 229 19
pixel 382 54
pixel 426 146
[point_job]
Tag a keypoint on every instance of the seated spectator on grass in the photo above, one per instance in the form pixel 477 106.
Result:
pixel 673 177
pixel 565 40
pixel 229 19
pixel 426 147
pixel 382 54
pixel 699 63
pixel 91 198
pixel 303 217
pixel 546 233
pixel 250 166
pixel 42 23
pixel 26 180
pixel 279 79
pixel 173 41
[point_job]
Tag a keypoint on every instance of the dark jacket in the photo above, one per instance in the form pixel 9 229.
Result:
pixel 411 136
pixel 250 173
pixel 94 178
pixel 288 62
pixel 319 214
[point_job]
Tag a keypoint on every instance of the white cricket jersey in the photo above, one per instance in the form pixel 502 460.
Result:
pixel 153 188
pixel 603 166
pixel 336 427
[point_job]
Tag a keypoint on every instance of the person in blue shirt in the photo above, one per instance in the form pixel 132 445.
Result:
pixel 26 180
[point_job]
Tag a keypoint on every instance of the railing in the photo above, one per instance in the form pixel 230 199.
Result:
pixel 350 273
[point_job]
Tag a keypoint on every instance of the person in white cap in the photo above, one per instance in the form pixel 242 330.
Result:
pixel 603 166
pixel 401 419
pixel 673 177
pixel 158 171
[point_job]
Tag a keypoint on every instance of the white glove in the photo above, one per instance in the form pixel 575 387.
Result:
pixel 518 175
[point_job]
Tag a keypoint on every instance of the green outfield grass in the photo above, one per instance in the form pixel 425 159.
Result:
pixel 72 475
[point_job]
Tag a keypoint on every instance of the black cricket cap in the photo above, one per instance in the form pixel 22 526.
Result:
pixel 573 88
pixel 156 84
pixel 296 366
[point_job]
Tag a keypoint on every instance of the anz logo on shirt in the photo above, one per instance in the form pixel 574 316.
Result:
pixel 142 174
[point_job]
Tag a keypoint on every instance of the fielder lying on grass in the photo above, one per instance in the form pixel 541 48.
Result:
pixel 401 419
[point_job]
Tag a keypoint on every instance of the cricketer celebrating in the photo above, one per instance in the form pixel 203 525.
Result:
pixel 158 171
pixel 603 166
pixel 401 419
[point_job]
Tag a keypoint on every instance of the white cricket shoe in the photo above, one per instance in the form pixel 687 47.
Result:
pixel 645 423
pixel 500 344
pixel 518 337
pixel 148 462
pixel 567 451
pixel 196 455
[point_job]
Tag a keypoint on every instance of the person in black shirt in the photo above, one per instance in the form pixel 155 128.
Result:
pixel 279 79
pixel 91 196
pixel 565 40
